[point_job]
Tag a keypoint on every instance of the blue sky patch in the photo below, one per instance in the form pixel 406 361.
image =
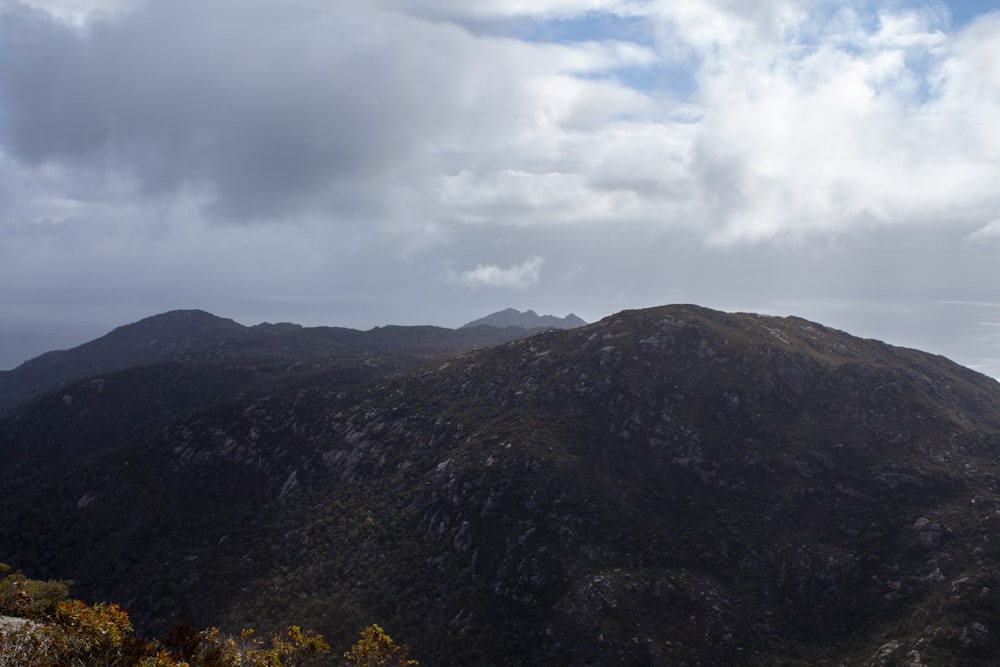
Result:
pixel 963 11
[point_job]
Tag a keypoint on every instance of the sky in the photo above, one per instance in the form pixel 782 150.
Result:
pixel 369 162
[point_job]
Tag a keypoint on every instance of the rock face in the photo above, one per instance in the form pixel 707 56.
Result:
pixel 11 622
pixel 671 486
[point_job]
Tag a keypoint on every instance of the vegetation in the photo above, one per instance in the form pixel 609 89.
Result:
pixel 376 649
pixel 52 631
pixel 21 596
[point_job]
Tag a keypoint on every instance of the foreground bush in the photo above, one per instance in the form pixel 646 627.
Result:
pixel 376 649
pixel 47 630
pixel 81 635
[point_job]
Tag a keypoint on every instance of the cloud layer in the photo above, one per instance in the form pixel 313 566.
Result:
pixel 803 117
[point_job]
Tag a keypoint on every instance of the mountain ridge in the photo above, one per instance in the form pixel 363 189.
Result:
pixel 672 485
pixel 196 335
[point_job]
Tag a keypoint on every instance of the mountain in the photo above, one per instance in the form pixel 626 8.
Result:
pixel 194 335
pixel 511 317
pixel 669 486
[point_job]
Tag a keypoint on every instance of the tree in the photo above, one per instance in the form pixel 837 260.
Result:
pixel 213 648
pixel 297 647
pixel 30 598
pixel 99 634
pixel 376 649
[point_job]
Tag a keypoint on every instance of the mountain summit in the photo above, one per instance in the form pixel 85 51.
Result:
pixel 511 317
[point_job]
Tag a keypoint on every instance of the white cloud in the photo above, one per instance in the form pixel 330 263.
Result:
pixel 515 8
pixel 518 277
pixel 79 11
pixel 809 126
pixel 988 231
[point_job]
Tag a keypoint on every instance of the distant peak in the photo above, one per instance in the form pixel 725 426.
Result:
pixel 511 317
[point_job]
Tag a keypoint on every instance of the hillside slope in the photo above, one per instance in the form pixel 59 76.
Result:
pixel 194 335
pixel 666 486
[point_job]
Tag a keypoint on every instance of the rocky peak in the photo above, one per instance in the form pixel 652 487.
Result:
pixel 529 319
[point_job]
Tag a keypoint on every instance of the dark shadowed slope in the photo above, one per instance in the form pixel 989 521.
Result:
pixel 671 486
pixel 194 335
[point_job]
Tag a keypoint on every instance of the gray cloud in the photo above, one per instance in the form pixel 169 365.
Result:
pixel 271 110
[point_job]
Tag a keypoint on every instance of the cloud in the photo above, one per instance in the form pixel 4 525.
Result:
pixel 518 277
pixel 826 120
pixel 79 11
pixel 804 118
pixel 513 8
pixel 988 231
pixel 275 110
pixel 205 95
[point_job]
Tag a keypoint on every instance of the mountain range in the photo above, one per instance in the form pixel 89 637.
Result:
pixel 668 486
pixel 194 335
